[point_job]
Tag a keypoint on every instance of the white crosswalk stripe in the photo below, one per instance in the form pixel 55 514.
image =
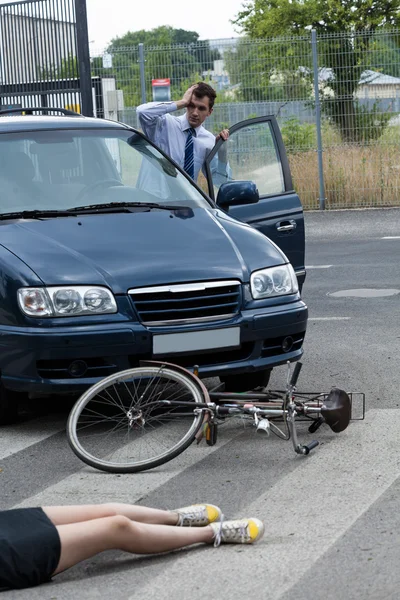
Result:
pixel 89 485
pixel 306 511
pixel 304 514
pixel 19 437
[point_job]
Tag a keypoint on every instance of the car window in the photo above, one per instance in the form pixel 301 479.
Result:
pixel 66 168
pixel 252 155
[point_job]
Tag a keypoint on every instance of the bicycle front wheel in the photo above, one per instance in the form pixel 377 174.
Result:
pixel 119 425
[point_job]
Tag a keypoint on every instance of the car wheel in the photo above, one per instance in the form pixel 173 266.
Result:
pixel 9 403
pixel 246 382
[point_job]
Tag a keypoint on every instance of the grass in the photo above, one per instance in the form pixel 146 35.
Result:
pixel 354 176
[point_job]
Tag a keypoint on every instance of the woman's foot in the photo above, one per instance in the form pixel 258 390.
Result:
pixel 198 515
pixel 239 531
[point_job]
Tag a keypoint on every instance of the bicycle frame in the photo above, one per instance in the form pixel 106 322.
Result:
pixel 142 417
pixel 333 408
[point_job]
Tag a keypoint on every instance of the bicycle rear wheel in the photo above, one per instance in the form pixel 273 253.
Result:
pixel 119 425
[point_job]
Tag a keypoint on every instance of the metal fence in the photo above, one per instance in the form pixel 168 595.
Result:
pixel 44 55
pixel 336 97
pixel 38 54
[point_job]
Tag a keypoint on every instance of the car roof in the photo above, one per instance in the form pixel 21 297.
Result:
pixel 9 124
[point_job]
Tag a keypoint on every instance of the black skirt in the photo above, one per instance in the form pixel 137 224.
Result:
pixel 30 548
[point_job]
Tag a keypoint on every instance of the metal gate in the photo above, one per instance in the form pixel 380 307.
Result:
pixel 44 55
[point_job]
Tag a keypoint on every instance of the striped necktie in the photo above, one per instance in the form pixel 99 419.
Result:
pixel 189 154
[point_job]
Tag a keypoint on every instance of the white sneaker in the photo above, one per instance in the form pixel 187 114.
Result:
pixel 240 531
pixel 198 515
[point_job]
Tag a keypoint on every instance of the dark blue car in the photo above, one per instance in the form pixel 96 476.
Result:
pixel 110 254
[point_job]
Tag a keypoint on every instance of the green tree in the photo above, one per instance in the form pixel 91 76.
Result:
pixel 165 35
pixel 384 54
pixel 354 24
pixel 125 69
pixel 269 70
pixel 160 36
pixel 171 53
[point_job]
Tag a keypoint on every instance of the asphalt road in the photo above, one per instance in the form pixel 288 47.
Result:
pixel 331 518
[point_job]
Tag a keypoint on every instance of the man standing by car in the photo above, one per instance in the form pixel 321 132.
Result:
pixel 184 138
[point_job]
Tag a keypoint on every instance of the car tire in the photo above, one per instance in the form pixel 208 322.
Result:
pixel 246 382
pixel 9 404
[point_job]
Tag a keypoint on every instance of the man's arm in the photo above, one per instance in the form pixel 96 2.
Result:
pixel 152 114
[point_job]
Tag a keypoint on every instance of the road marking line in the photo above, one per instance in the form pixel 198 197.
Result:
pixel 305 513
pixel 391 237
pixel 318 267
pixel 14 438
pixel 329 318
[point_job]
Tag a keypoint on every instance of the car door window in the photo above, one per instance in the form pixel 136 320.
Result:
pixel 252 155
pixel 255 152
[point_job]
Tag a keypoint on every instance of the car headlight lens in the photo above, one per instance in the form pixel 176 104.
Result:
pixel 275 281
pixel 66 301
pixel 98 300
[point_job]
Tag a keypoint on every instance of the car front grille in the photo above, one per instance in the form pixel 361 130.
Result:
pixel 187 303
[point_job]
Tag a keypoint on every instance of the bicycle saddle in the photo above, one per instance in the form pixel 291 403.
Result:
pixel 336 410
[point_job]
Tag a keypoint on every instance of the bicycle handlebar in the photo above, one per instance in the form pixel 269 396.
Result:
pixel 308 447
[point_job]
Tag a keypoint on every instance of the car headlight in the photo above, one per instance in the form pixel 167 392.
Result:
pixel 65 301
pixel 275 281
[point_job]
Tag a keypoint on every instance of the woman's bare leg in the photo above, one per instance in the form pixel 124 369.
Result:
pixel 83 540
pixel 63 515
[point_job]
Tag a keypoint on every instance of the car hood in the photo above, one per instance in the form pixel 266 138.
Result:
pixel 127 250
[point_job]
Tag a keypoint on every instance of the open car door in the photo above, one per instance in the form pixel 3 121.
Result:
pixel 255 152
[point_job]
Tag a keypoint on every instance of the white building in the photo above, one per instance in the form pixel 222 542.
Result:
pixel 35 46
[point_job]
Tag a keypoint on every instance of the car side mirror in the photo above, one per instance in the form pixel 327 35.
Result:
pixel 235 193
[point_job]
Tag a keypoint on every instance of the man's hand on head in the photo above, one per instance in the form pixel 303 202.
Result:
pixel 187 97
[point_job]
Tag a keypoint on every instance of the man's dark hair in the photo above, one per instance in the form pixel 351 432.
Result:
pixel 203 89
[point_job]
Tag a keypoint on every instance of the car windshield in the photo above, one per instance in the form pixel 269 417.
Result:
pixel 64 169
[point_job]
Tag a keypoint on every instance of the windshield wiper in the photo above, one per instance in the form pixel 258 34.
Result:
pixel 36 214
pixel 122 205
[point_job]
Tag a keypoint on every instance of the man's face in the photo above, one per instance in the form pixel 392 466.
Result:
pixel 198 110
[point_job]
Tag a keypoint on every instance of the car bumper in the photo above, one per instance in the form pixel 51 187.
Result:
pixel 69 360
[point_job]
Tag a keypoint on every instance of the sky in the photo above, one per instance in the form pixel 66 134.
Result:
pixel 110 18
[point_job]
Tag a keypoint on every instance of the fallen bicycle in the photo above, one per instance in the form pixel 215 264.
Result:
pixel 144 417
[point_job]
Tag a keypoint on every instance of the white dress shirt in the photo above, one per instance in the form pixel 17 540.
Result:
pixel 169 133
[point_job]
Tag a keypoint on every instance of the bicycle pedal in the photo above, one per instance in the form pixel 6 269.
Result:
pixel 316 425
pixel 264 425
pixel 211 434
